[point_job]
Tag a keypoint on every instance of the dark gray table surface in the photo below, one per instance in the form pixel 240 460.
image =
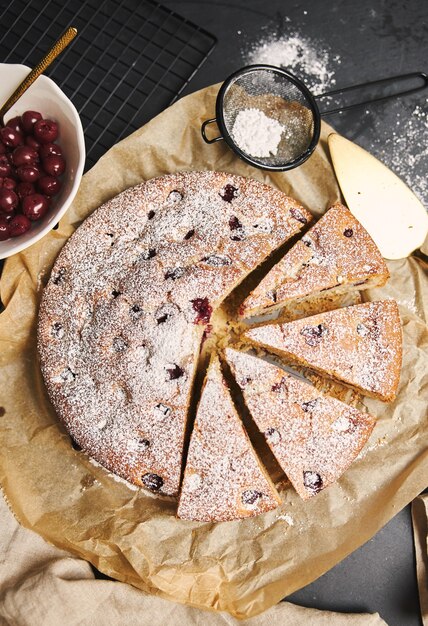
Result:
pixel 372 39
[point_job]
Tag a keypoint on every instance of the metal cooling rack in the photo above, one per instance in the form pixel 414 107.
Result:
pixel 130 60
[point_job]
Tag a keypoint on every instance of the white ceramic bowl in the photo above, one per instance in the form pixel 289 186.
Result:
pixel 47 98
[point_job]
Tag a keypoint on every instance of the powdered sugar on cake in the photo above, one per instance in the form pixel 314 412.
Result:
pixel 223 479
pixel 313 437
pixel 336 253
pixel 359 345
pixel 123 314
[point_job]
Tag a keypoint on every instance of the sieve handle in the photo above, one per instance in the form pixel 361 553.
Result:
pixel 420 76
pixel 203 127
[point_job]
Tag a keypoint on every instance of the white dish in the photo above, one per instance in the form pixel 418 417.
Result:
pixel 47 98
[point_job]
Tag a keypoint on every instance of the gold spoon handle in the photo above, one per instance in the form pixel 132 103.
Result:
pixel 60 45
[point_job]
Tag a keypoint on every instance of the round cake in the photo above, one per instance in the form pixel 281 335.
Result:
pixel 123 315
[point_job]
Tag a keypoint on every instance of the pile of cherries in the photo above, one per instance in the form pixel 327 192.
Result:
pixel 30 166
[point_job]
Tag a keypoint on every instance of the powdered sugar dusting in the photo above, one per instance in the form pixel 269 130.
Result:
pixel 360 345
pixel 124 311
pixel 336 253
pixel 309 59
pixel 314 437
pixel 223 480
pixel 256 133
pixel 404 146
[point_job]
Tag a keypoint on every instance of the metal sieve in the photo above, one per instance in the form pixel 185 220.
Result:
pixel 281 96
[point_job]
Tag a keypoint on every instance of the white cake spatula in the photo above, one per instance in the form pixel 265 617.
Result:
pixel 391 213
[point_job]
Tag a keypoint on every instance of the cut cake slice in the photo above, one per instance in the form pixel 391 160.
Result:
pixel 314 437
pixel 336 255
pixel 359 345
pixel 223 479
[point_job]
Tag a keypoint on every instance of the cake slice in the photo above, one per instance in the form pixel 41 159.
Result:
pixel 314 437
pixel 335 255
pixel 358 345
pixel 223 479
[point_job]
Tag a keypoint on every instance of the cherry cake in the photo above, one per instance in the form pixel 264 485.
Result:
pixel 123 314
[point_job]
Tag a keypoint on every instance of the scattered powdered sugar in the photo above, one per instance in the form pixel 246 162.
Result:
pixel 404 147
pixel 257 134
pixel 286 518
pixel 308 59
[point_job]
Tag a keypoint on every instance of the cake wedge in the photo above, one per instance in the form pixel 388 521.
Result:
pixel 335 256
pixel 314 437
pixel 223 478
pixel 359 345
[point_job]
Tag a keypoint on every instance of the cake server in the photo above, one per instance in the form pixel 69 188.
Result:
pixel 391 213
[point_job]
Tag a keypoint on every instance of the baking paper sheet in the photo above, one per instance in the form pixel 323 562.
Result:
pixel 241 567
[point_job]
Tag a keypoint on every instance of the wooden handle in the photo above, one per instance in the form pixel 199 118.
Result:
pixel 60 45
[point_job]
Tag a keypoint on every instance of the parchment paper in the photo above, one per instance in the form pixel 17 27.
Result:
pixel 241 567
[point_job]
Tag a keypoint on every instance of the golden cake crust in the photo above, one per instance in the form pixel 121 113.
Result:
pixel 223 480
pixel 314 437
pixel 337 253
pixel 359 345
pixel 122 317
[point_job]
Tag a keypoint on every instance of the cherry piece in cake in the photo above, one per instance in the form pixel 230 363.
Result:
pixel 175 372
pixel 312 481
pixel 203 310
pixel 152 481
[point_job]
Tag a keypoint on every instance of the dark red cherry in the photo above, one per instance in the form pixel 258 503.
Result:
pixel 28 119
pixel 49 185
pixel 8 200
pixel 313 482
pixel 203 310
pixel 4 229
pixel 228 193
pixel 298 216
pixel 54 165
pixel 175 372
pixel 45 131
pixel 10 137
pixel 15 123
pixel 152 481
pixel 28 173
pixel 19 225
pixel 23 155
pixel 251 496
pixel 47 149
pixel 25 189
pixel 2 148
pixel 34 207
pixel 5 168
pixel 32 142
pixel 9 183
